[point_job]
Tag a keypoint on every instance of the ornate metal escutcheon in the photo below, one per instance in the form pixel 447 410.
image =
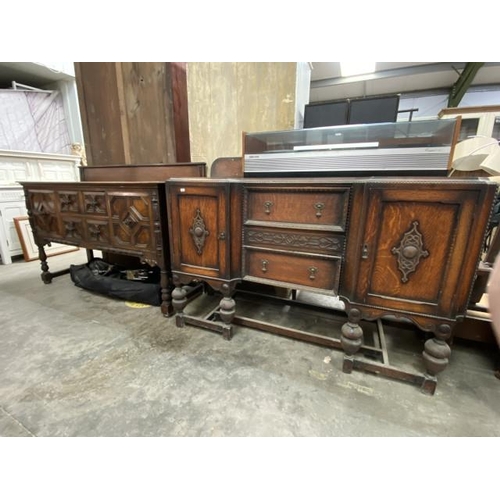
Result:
pixel 410 251
pixel 198 232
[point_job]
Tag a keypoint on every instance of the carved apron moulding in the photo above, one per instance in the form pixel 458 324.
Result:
pixel 299 241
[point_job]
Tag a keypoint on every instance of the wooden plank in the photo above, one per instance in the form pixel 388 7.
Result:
pixel 388 371
pixel 80 83
pixel 202 323
pixel 123 112
pixel 383 344
pixel 134 112
pixel 288 332
pixel 180 111
pixel 100 112
pixel 149 107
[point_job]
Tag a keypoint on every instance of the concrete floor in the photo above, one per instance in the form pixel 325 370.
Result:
pixel 73 363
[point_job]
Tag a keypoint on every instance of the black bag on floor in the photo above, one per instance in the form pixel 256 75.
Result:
pixel 135 285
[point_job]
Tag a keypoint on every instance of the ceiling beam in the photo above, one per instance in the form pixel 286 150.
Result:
pixel 389 73
pixel 463 83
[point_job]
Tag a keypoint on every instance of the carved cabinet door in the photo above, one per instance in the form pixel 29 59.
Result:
pixel 418 246
pixel 199 225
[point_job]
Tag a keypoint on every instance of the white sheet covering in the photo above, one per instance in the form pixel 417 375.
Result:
pixel 33 121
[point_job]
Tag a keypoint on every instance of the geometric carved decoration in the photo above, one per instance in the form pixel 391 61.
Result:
pixel 72 229
pixel 198 232
pixel 137 237
pixel 131 219
pixel 142 237
pixel 42 203
pixel 98 232
pixel 309 242
pixel 68 202
pixel 95 203
pixel 410 251
pixel 43 212
pixel 140 206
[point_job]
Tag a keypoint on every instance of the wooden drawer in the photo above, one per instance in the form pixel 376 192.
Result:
pixel 299 206
pixel 293 269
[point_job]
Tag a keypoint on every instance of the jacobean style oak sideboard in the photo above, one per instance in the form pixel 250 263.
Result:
pixel 110 216
pixel 125 217
pixel 404 247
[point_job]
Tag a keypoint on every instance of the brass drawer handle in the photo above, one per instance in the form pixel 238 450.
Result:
pixel 267 206
pixel 312 270
pixel 264 265
pixel 319 209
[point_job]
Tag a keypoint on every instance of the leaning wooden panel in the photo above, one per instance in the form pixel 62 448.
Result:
pixel 142 172
pixel 133 112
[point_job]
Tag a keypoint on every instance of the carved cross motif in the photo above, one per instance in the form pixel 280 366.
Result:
pixel 410 251
pixel 95 231
pixel 68 202
pixel 93 203
pixel 198 232
pixel 70 229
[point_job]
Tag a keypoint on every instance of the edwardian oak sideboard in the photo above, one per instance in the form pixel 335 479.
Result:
pixel 125 217
pixel 407 247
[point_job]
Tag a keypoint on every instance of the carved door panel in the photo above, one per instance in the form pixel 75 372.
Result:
pixel 132 219
pixel 413 254
pixel 199 229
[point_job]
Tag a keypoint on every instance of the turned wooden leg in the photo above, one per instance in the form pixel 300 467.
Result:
pixel 436 357
pixel 227 311
pixel 179 302
pixel 351 339
pixel 46 275
pixel 167 286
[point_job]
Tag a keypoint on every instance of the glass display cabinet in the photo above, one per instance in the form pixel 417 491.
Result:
pixel 404 148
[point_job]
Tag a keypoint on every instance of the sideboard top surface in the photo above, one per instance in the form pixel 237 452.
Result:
pixel 90 184
pixel 319 181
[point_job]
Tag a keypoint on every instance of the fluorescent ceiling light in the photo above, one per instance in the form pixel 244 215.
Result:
pixel 356 68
